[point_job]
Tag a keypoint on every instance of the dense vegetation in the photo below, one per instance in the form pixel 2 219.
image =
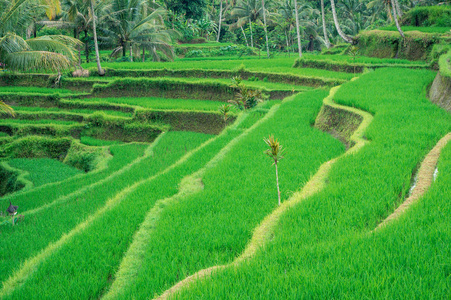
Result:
pixel 132 145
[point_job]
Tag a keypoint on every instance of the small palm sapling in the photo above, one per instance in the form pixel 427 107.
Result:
pixel 224 110
pixel 275 151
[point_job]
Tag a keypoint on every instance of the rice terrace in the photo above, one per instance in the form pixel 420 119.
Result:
pixel 225 149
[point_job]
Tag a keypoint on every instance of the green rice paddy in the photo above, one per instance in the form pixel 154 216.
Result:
pixel 153 213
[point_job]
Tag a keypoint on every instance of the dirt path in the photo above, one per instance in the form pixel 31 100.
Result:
pixel 266 228
pixel 425 177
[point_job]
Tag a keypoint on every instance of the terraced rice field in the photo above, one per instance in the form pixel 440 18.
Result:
pixel 159 197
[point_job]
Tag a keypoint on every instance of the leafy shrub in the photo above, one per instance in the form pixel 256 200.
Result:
pixel 245 98
pixel 83 157
pixel 36 147
pixel 123 59
pixel 425 16
pixel 195 53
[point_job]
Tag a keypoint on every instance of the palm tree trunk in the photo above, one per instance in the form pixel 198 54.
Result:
pixel 266 30
pixel 326 38
pixel 395 16
pixel 297 28
pixel 337 25
pixel 277 181
pixel 288 45
pixel 244 34
pixel 96 46
pixel 131 52
pixel 252 40
pixel 144 54
pixel 220 20
pixel 398 8
pixel 86 46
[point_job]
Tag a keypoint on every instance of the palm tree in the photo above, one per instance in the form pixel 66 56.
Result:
pixel 127 24
pixel 326 39
pixel 6 109
pixel 96 46
pixel 266 30
pixel 220 20
pixel 337 25
pixel 275 151
pixel 46 52
pixel 248 11
pixel 296 12
pixel 395 16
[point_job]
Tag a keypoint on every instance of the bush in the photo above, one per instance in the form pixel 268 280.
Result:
pixel 445 65
pixel 439 16
pixel 387 44
pixel 36 147
pixel 84 157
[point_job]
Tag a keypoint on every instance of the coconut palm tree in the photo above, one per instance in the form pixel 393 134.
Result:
pixel 220 21
pixel 323 22
pixel 337 25
pixel 395 16
pixel 47 52
pixel 248 11
pixel 127 24
pixel 265 28
pixel 298 34
pixel 96 46
pixel 6 109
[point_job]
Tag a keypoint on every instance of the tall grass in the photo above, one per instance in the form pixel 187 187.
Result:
pixel 213 226
pixel 58 215
pixel 277 65
pixel 19 109
pixel 126 207
pixel 160 103
pixel 32 89
pixel 421 29
pixel 43 171
pixel 321 248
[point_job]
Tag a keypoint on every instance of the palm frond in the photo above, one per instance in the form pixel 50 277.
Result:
pixel 12 43
pixel 7 109
pixel 9 12
pixel 37 60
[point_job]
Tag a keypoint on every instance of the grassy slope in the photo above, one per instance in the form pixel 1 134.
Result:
pixel 19 109
pixel 213 226
pixel 106 234
pixel 66 212
pixel 161 103
pixel 43 171
pixel 421 29
pixel 318 250
pixel 276 65
pixel 31 89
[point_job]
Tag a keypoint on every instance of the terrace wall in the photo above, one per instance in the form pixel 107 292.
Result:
pixel 440 92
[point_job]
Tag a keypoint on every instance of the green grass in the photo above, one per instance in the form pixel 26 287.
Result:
pixel 214 225
pixel 62 214
pixel 80 111
pixel 36 122
pixel 276 65
pixel 445 64
pixel 90 141
pixel 160 103
pixel 129 208
pixel 322 248
pixel 43 171
pixel 203 45
pixel 421 29
pixel 32 89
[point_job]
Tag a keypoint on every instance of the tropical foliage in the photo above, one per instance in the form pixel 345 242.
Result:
pixel 45 52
